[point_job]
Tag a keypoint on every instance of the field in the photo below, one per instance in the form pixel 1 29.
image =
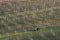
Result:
pixel 19 20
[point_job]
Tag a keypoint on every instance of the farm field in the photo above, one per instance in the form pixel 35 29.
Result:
pixel 19 20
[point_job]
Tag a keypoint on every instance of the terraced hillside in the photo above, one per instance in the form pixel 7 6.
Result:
pixel 25 16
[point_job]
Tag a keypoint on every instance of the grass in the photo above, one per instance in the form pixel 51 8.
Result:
pixel 29 33
pixel 27 15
